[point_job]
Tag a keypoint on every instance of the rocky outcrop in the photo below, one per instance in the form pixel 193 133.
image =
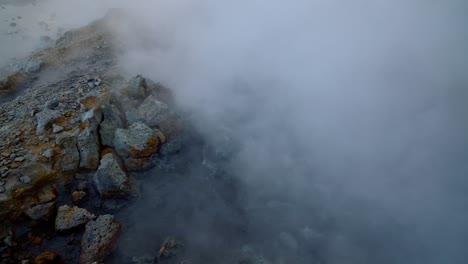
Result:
pixel 70 217
pixel 137 145
pixel 111 181
pixel 99 239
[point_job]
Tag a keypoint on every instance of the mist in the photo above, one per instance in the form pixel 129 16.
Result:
pixel 348 118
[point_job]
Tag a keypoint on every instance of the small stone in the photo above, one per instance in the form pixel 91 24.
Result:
pixel 2 183
pixel 6 153
pixel 69 217
pixel 48 257
pixel 48 153
pixel 25 179
pixel 57 129
pixel 90 83
pixel 20 159
pixel 2 189
pixel 78 195
pixel 12 24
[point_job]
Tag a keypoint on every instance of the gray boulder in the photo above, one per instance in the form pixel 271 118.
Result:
pixel 45 118
pixel 137 145
pixel 153 112
pixel 69 158
pixel 111 122
pixel 99 239
pixel 111 181
pixel 70 217
pixel 88 140
pixel 137 87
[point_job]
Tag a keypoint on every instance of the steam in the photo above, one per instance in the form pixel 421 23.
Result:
pixel 354 107
pixel 347 112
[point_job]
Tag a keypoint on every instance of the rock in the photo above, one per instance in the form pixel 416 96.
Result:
pixel 52 103
pixel 91 100
pixel 48 153
pixel 153 112
pixel 137 87
pixel 45 118
pixel 25 179
pixel 137 144
pixel 41 212
pixel 78 195
pixel 20 159
pixel 88 140
pixel 111 181
pixel 69 157
pixel 48 257
pixel 56 128
pixel 99 239
pixel 6 153
pixel 111 122
pixel 69 217
pixel 11 82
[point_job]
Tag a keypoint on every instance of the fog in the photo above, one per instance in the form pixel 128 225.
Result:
pixel 352 115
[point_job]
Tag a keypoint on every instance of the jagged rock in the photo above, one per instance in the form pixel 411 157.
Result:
pixel 99 239
pixel 69 217
pixel 45 118
pixel 70 156
pixel 153 112
pixel 88 140
pixel 137 87
pixel 137 144
pixel 111 122
pixel 111 181
pixel 41 211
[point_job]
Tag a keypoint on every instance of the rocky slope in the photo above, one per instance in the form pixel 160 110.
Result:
pixel 68 140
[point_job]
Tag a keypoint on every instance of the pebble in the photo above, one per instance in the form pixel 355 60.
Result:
pixel 25 179
pixel 2 183
pixel 48 153
pixel 2 189
pixel 57 129
pixel 20 159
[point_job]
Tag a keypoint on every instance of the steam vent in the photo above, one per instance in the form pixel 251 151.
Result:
pixel 233 132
